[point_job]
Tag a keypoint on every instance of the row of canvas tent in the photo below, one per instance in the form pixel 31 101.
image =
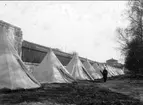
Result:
pixel 14 74
pixel 51 70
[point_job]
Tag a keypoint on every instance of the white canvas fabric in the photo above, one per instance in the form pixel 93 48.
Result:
pixel 13 72
pixel 50 70
pixel 29 68
pixel 91 70
pixel 118 71
pixel 97 69
pixel 111 70
pixel 77 70
pixel 114 71
pixel 100 67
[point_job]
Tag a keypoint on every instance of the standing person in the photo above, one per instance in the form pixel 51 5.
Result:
pixel 104 73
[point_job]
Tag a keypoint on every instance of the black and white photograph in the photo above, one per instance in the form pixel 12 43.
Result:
pixel 66 52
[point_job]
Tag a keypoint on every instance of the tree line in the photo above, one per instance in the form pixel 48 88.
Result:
pixel 131 37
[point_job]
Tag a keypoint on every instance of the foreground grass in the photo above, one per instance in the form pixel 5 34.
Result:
pixel 81 93
pixel 130 85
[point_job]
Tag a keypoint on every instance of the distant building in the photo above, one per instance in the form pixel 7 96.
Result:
pixel 114 62
pixel 111 61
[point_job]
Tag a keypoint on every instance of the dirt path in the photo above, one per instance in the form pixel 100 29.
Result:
pixel 132 88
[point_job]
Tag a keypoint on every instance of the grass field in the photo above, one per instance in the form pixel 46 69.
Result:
pixel 128 85
pixel 81 93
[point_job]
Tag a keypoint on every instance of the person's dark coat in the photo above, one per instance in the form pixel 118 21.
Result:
pixel 104 73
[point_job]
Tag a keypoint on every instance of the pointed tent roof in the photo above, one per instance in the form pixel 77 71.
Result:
pixel 77 70
pixel 51 70
pixel 13 72
pixel 91 70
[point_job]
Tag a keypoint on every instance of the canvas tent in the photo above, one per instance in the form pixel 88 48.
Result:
pixel 101 68
pixel 50 70
pixel 91 70
pixel 13 72
pixel 114 71
pixel 111 70
pixel 77 70
pixel 118 71
pixel 29 68
pixel 97 69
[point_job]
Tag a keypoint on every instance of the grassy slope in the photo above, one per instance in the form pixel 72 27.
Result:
pixel 82 93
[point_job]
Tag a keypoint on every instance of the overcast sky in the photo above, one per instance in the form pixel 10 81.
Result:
pixel 87 27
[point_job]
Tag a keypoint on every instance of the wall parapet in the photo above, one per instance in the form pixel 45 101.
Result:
pixel 43 49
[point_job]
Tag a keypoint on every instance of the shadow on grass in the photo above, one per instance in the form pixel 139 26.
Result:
pixel 80 93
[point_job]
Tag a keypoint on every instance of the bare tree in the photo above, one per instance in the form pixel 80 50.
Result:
pixel 131 37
